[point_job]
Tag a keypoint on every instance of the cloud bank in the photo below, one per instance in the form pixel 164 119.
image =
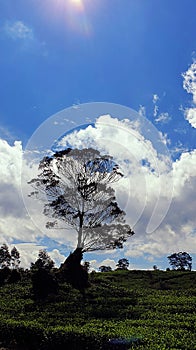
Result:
pixel 152 184
pixel 189 84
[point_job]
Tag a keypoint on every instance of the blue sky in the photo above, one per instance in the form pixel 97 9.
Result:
pixel 60 53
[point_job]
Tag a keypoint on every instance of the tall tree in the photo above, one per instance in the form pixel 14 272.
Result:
pixel 180 261
pixel 5 257
pixel 15 258
pixel 76 187
pixel 43 280
pixel 44 261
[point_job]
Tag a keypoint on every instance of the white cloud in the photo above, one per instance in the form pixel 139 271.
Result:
pixel 164 138
pixel 189 84
pixel 162 118
pixel 176 232
pixel 5 134
pixel 18 30
pixel 142 111
pixel 155 112
pixel 179 148
pixel 155 98
pixel 143 187
pixel 190 115
pixel 14 221
pixel 57 257
pixel 156 108
pixel 29 253
pixel 25 37
pixel 94 264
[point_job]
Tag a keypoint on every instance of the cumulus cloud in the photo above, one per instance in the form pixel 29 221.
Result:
pixel 94 264
pixel 190 115
pixel 29 253
pixel 14 221
pixel 189 84
pixel 16 227
pixel 148 179
pixel 177 230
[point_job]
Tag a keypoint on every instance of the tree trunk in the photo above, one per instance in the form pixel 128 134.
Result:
pixel 81 216
pixel 73 272
pixel 79 245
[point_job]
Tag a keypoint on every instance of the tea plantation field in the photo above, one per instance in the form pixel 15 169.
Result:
pixel 148 310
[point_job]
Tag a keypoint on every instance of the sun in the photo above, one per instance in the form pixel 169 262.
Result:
pixel 77 3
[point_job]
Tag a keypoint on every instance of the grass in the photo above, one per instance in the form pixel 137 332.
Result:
pixel 154 309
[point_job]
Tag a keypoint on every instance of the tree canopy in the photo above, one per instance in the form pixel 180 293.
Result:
pixel 43 262
pixel 7 258
pixel 75 185
pixel 180 261
pixel 104 268
pixel 123 264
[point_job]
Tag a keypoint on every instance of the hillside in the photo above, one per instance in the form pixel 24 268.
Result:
pixel 147 309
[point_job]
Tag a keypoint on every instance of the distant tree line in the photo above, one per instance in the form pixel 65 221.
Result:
pixel 45 277
pixel 122 264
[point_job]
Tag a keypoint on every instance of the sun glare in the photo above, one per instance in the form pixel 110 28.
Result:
pixel 77 3
pixel 76 15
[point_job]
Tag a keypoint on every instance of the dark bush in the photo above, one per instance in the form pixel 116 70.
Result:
pixel 43 283
pixel 4 275
pixel 14 277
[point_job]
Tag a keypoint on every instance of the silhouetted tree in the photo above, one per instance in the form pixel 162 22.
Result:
pixel 43 283
pixel 15 276
pixel 104 268
pixel 76 185
pixel 180 261
pixel 43 262
pixel 4 275
pixel 123 264
pixel 43 280
pixel 86 266
pixel 15 258
pixel 8 275
pixel 5 257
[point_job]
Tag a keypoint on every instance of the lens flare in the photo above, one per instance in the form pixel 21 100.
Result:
pixel 78 4
pixel 77 17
